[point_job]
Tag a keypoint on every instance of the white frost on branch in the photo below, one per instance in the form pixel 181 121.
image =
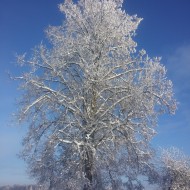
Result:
pixel 175 169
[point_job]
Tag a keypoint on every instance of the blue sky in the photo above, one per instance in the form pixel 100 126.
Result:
pixel 165 31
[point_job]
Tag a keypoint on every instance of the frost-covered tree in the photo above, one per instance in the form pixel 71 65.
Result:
pixel 91 100
pixel 175 170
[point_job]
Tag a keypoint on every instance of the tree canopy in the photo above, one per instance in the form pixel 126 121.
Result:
pixel 91 100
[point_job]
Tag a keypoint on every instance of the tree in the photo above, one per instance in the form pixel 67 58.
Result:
pixel 91 100
pixel 175 170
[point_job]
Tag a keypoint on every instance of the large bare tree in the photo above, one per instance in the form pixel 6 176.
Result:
pixel 91 100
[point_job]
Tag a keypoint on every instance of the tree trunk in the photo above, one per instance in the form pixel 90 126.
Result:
pixel 88 160
pixel 51 186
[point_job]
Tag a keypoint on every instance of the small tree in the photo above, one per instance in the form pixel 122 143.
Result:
pixel 175 170
pixel 91 101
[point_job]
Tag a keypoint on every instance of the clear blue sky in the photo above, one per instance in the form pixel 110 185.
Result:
pixel 165 31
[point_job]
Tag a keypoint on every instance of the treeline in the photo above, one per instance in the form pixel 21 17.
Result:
pixel 21 187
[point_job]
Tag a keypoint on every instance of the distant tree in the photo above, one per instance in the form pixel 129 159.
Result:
pixel 91 100
pixel 175 170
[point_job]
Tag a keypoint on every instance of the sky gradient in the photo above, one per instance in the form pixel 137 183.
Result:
pixel 164 31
